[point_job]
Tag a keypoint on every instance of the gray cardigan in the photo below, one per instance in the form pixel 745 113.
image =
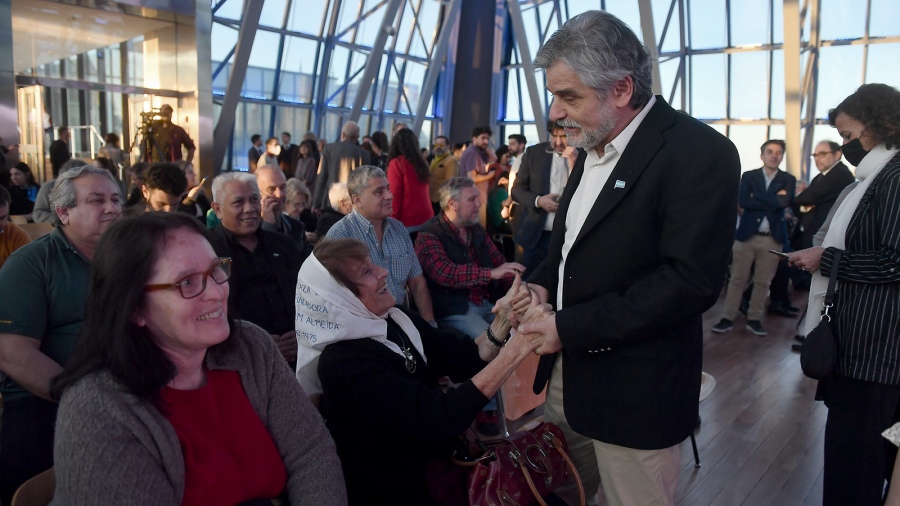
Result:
pixel 113 448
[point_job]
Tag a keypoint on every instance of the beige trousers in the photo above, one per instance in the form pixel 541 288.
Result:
pixel 630 477
pixel 744 255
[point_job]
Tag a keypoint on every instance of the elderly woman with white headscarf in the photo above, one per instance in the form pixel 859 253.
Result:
pixel 377 367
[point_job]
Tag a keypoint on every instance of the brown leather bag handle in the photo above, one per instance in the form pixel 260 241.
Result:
pixel 554 441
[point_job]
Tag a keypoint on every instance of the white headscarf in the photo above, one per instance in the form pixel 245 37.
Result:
pixel 328 312
pixel 868 168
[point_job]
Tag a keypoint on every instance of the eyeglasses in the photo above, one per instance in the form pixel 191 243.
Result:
pixel 194 284
pixel 823 153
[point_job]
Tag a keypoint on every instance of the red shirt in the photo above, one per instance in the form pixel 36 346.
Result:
pixel 229 456
pixel 412 203
pixel 443 271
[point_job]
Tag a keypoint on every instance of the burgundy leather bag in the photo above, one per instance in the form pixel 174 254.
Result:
pixel 522 469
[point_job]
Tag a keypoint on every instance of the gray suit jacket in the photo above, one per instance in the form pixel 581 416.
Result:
pixel 338 159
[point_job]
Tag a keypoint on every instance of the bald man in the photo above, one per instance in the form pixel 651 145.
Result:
pixel 273 195
pixel 338 159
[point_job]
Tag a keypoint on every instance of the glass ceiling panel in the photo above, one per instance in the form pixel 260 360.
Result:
pixel 885 19
pixel 749 85
pixel 231 9
pixel 840 73
pixel 265 50
pixel 307 17
pixel 273 13
pixel 843 19
pixel 882 67
pixel 749 23
pixel 708 24
pixel 224 38
pixel 708 86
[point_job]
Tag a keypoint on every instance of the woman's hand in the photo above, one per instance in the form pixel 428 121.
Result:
pixel 515 301
pixel 807 259
pixel 536 311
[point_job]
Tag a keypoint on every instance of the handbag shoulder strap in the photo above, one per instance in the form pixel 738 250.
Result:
pixel 832 279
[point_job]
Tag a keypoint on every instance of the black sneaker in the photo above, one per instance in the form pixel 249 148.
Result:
pixel 756 327
pixel 723 326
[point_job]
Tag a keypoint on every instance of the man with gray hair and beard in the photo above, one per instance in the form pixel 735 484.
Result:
pixel 638 252
pixel 338 159
pixel 43 288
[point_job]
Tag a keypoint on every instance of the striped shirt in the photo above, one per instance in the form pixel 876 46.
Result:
pixel 395 253
pixel 867 299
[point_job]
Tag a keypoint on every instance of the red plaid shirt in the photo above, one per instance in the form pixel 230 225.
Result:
pixel 443 271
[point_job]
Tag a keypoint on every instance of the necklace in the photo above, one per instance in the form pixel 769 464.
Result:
pixel 408 356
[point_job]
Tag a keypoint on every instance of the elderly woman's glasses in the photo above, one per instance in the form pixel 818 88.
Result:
pixel 193 285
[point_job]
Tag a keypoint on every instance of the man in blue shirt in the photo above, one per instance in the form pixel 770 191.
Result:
pixel 389 244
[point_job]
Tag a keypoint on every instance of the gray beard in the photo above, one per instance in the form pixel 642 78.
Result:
pixel 589 139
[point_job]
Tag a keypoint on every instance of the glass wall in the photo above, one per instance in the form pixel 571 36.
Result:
pixel 308 63
pixel 722 60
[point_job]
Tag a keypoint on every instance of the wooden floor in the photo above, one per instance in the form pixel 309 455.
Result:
pixel 762 432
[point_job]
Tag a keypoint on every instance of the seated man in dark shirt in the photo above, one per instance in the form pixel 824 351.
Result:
pixel 273 191
pixel 264 264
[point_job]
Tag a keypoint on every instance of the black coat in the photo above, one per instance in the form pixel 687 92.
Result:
pixel 388 423
pixel 649 260
pixel 822 191
pixel 532 180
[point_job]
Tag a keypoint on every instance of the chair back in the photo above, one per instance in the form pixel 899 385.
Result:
pixel 18 219
pixel 35 230
pixel 38 491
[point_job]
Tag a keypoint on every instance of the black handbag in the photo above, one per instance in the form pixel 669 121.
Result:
pixel 819 356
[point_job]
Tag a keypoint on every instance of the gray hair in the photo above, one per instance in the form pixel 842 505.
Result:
pixel 601 50
pixel 451 188
pixel 336 194
pixel 360 176
pixel 72 163
pixel 218 184
pixel 63 192
pixel 350 130
pixel 295 187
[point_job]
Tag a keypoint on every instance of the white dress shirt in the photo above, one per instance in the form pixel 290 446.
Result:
pixel 596 172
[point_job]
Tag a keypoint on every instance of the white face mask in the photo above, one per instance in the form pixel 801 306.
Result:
pixel 276 150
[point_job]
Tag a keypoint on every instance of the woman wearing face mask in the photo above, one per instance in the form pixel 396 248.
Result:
pixel 270 157
pixel 863 394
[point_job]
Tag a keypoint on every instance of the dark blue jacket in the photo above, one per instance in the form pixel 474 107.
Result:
pixel 758 202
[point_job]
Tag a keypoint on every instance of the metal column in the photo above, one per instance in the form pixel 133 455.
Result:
pixel 515 16
pixel 792 86
pixel 225 126
pixel 438 53
pixel 810 90
pixel 374 63
pixel 9 120
pixel 650 41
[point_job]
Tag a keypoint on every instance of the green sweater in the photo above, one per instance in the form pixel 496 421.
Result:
pixel 113 448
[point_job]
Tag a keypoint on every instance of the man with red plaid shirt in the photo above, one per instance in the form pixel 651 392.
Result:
pixel 461 264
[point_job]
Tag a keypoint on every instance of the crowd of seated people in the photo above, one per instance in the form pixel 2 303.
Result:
pixel 263 334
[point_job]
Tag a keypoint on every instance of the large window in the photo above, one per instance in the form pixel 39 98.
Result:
pixel 722 61
pixel 308 64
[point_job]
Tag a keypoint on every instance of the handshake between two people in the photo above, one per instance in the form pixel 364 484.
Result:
pixel 531 320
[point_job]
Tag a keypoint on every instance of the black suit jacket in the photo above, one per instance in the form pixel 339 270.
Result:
pixel 532 180
pixel 822 192
pixel 284 261
pixel 649 260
